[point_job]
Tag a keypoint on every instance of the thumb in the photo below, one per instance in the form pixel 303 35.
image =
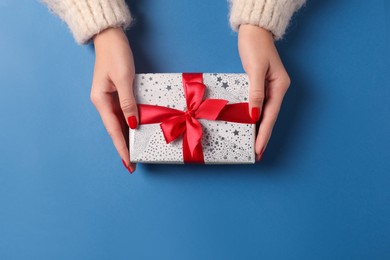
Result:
pixel 127 101
pixel 256 95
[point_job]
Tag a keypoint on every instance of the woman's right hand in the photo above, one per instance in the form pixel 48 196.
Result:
pixel 112 88
pixel 268 79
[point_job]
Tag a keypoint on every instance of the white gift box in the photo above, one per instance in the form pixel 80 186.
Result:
pixel 223 142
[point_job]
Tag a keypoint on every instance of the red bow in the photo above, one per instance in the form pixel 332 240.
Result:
pixel 176 123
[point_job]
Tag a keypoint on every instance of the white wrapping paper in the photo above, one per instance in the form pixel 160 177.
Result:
pixel 223 142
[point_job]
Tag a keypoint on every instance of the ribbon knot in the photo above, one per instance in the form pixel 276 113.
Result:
pixel 177 123
pixel 190 113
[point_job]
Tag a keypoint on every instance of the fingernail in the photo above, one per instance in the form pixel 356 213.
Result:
pixel 124 163
pixel 127 167
pixel 255 114
pixel 132 121
pixel 260 156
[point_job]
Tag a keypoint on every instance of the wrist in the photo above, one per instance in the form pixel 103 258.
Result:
pixel 254 30
pixel 109 35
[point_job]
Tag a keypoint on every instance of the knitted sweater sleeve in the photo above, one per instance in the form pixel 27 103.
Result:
pixel 87 18
pixel 273 15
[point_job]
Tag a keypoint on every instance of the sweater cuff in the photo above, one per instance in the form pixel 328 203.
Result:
pixel 273 15
pixel 86 18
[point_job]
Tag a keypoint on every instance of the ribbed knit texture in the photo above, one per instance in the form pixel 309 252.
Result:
pixel 273 15
pixel 87 18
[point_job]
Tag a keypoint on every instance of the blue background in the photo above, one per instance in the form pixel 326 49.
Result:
pixel 321 192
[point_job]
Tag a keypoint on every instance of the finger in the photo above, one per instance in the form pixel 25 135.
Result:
pixel 124 86
pixel 275 93
pixel 104 104
pixel 256 93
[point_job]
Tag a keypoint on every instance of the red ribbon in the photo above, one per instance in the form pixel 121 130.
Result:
pixel 175 123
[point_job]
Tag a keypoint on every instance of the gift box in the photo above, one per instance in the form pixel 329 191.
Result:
pixel 192 118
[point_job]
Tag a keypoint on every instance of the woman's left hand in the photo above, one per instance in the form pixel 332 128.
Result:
pixel 268 80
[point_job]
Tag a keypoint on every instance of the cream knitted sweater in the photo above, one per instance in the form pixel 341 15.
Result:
pixel 86 18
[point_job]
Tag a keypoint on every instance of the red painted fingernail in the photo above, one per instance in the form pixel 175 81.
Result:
pixel 260 156
pixel 255 114
pixel 124 163
pixel 127 167
pixel 132 121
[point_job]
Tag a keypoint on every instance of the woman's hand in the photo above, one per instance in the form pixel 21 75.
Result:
pixel 112 88
pixel 268 79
